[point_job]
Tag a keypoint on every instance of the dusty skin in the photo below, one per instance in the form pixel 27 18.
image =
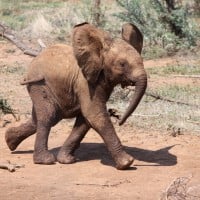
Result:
pixel 159 157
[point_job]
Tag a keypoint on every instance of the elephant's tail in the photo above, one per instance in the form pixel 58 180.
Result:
pixel 26 81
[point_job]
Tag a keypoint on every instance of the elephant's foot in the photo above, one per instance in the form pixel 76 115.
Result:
pixel 11 139
pixel 44 157
pixel 15 135
pixel 123 160
pixel 65 158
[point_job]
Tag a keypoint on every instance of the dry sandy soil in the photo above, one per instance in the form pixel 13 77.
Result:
pixel 159 158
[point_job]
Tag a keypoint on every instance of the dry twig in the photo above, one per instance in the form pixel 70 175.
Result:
pixel 41 43
pixel 10 167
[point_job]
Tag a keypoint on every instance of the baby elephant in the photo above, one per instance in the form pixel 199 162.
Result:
pixel 77 81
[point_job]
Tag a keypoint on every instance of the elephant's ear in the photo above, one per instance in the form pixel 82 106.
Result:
pixel 132 35
pixel 88 44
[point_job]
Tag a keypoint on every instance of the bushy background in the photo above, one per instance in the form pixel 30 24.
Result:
pixel 167 28
pixel 170 27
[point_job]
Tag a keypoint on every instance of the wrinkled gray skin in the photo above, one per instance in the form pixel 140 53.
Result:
pixel 77 81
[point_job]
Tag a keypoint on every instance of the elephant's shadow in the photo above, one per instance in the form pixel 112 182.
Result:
pixel 98 151
pixel 94 151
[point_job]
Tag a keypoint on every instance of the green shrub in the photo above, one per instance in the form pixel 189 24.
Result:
pixel 5 108
pixel 172 30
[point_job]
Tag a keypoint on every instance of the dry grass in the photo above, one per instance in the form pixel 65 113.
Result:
pixel 41 27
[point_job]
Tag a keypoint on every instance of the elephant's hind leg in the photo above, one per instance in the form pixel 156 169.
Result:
pixel 65 155
pixel 47 115
pixel 15 135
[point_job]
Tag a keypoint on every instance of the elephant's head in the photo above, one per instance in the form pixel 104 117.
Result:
pixel 119 59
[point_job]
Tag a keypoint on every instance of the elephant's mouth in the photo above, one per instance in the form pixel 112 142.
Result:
pixel 128 83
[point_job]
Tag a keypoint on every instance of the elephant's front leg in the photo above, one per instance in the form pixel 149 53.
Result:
pixel 99 119
pixel 79 130
pixel 103 125
pixel 93 107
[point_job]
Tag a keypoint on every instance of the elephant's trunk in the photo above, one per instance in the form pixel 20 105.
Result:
pixel 140 88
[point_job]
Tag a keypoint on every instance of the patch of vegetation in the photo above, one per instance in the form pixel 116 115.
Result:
pixel 5 108
pixel 19 14
pixel 187 93
pixel 11 51
pixel 152 52
pixel 16 69
pixel 41 4
pixel 175 69
pixel 15 22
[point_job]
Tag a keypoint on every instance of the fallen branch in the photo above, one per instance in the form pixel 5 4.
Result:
pixel 104 185
pixel 10 167
pixel 6 33
pixel 187 76
pixel 158 97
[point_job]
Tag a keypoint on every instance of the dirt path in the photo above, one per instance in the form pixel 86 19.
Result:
pixel 159 160
pixel 159 157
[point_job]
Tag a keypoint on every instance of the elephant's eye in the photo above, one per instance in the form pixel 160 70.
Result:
pixel 123 63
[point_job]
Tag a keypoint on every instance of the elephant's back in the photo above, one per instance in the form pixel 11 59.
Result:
pixel 57 60
pixel 58 67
